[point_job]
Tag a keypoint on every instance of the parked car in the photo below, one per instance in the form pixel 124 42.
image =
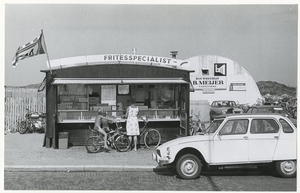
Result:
pixel 272 109
pixel 266 141
pixel 223 107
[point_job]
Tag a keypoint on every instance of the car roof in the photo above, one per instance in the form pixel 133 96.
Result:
pixel 250 115
pixel 267 106
pixel 223 100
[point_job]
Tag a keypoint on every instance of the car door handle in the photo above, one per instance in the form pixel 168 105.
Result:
pixel 276 137
pixel 245 137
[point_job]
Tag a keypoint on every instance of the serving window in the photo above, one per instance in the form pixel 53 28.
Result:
pixel 73 97
pixel 159 102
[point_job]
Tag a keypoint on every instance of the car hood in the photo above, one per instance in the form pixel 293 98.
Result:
pixel 226 108
pixel 185 140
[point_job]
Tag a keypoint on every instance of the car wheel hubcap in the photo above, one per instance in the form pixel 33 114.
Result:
pixel 189 167
pixel 288 166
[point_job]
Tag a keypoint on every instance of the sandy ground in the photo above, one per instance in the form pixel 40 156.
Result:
pixel 27 150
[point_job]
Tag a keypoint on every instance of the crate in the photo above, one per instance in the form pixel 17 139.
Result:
pixel 63 140
pixel 63 134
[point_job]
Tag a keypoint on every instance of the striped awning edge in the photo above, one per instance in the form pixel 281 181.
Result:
pixel 58 81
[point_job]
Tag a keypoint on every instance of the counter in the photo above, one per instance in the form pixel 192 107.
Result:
pixel 84 116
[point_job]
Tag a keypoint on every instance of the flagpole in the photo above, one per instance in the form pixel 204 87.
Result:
pixel 46 52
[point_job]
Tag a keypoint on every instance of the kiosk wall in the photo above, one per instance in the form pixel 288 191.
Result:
pixel 74 94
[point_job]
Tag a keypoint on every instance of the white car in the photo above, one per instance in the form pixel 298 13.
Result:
pixel 265 141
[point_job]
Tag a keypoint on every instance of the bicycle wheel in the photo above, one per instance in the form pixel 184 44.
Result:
pixel 22 127
pixel 152 138
pixel 122 143
pixel 93 144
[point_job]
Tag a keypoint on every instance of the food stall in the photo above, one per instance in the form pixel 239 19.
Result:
pixel 76 87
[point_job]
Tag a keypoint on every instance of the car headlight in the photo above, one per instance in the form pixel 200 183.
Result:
pixel 168 151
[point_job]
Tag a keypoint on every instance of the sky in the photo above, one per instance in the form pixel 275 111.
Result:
pixel 260 37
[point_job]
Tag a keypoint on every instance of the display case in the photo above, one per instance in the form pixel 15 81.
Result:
pixel 80 116
pixel 72 97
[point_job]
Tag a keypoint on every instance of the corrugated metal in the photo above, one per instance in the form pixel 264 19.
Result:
pixel 117 81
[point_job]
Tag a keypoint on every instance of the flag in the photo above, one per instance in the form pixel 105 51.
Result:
pixel 33 48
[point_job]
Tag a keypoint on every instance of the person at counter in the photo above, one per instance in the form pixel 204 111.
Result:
pixel 132 124
pixel 140 94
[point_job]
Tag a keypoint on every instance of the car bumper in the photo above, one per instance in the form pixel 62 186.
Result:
pixel 160 160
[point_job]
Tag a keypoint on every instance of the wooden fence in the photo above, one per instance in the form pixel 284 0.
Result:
pixel 16 102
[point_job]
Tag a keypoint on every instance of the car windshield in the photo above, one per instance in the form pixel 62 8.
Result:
pixel 224 104
pixel 214 126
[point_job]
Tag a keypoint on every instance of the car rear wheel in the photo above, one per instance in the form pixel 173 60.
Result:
pixel 188 166
pixel 286 169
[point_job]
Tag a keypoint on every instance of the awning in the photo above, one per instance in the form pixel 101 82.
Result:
pixel 85 81
pixel 154 80
pixel 118 81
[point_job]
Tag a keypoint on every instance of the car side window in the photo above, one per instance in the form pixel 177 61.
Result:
pixel 227 128
pixel 233 127
pixel 286 126
pixel 241 127
pixel 264 126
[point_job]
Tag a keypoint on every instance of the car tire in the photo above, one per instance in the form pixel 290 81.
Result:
pixel 286 169
pixel 188 166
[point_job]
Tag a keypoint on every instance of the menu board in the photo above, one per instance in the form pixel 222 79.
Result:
pixel 108 94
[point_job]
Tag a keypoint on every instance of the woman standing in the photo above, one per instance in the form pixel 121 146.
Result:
pixel 132 124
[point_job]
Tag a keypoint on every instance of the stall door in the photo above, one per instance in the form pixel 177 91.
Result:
pixel 183 123
pixel 184 110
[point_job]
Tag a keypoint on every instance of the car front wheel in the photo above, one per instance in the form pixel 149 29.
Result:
pixel 286 169
pixel 188 166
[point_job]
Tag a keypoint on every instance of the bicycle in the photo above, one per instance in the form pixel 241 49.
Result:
pixel 34 122
pixel 195 125
pixel 116 139
pixel 152 137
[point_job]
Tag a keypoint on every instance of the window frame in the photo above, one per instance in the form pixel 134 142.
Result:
pixel 283 128
pixel 122 94
pixel 262 121
pixel 234 127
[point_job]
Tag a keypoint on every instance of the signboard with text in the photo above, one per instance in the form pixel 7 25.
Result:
pixel 208 91
pixel 237 86
pixel 217 81
pixel 117 58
